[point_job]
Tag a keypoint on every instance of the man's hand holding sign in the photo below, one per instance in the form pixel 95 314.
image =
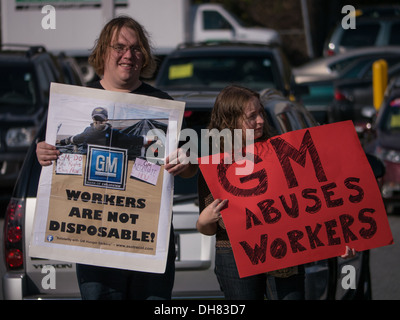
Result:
pixel 311 196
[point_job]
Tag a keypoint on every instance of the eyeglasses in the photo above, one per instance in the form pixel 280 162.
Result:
pixel 121 49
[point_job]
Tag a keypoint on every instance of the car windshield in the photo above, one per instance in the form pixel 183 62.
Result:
pixel 391 119
pixel 363 36
pixel 215 73
pixel 17 90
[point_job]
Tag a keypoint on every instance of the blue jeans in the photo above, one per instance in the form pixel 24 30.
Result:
pixel 255 287
pixel 102 283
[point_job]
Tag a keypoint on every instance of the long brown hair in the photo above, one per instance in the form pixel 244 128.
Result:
pixel 102 45
pixel 228 111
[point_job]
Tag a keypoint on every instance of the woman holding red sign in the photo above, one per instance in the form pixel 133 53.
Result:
pixel 240 108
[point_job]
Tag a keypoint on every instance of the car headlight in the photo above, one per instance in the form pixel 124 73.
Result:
pixel 20 137
pixel 388 154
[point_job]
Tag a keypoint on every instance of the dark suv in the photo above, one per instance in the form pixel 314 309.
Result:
pixel 212 66
pixel 26 74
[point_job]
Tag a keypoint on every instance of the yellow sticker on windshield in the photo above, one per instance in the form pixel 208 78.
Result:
pixel 180 71
pixel 395 121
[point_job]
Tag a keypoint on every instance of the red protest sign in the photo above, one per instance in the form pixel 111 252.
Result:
pixel 311 192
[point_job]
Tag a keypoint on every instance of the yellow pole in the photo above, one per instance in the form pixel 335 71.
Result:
pixel 379 81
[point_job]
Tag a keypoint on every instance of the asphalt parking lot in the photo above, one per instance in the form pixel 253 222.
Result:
pixel 384 266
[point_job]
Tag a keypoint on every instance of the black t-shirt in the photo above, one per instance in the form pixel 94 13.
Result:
pixel 144 89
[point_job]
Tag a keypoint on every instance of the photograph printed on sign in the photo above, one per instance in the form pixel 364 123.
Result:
pixel 104 193
pixel 95 213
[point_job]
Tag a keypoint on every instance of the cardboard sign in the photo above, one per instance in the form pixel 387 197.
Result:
pixel 311 193
pixel 89 208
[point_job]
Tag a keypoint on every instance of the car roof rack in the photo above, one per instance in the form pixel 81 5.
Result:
pixel 29 50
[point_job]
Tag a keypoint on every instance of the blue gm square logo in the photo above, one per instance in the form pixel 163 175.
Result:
pixel 106 167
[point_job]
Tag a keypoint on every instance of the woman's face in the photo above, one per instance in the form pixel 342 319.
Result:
pixel 253 118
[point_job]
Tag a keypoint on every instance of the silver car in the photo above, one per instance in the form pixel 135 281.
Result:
pixel 329 68
pixel 373 29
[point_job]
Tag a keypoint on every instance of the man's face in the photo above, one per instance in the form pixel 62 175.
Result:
pixel 123 61
pixel 99 124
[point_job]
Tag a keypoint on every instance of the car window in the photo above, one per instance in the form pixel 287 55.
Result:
pixel 355 70
pixel 302 119
pixel 287 72
pixel 362 69
pixel 49 69
pixel 44 81
pixel 284 121
pixel 395 34
pixel 363 35
pixel 273 124
pixel 213 72
pixel 342 63
pixel 71 75
pixel 390 62
pixel 213 20
pixel 17 90
pixel 195 120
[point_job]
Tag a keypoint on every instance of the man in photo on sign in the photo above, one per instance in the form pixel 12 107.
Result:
pixel 100 132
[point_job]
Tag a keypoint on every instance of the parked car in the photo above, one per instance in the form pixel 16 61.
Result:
pixel 319 75
pixel 328 68
pixel 386 145
pixel 351 96
pixel 374 27
pixel 24 88
pixel 195 276
pixel 71 71
pixel 24 93
pixel 212 66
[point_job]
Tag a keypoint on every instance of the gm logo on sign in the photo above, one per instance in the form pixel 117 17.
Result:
pixel 106 167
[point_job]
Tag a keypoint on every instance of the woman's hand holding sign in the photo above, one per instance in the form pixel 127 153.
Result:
pixel 350 253
pixel 208 219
